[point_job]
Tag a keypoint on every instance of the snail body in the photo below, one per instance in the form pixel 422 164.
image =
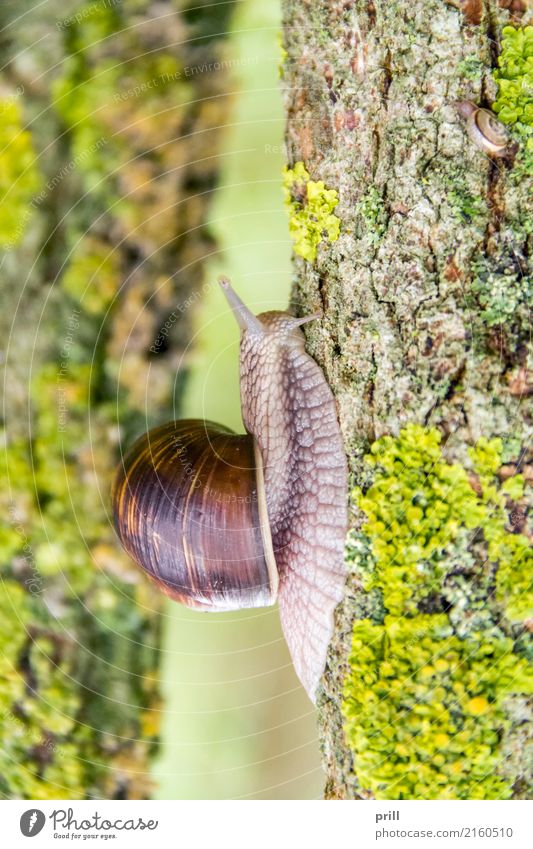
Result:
pixel 222 521
pixel 485 130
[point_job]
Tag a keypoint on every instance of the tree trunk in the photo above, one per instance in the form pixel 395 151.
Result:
pixel 421 272
pixel 110 119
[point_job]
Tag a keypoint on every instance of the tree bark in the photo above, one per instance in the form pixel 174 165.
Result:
pixel 110 118
pixel 426 332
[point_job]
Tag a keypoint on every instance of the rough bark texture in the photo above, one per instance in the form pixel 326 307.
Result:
pixel 110 121
pixel 431 229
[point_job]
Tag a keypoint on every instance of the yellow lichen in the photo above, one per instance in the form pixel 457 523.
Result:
pixel 311 208
pixel 420 732
pixel 424 705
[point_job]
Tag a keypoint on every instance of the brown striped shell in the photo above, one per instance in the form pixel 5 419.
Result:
pixel 188 509
pixel 217 519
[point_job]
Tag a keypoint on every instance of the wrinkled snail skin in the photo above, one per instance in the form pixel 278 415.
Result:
pixel 222 521
pixel 485 130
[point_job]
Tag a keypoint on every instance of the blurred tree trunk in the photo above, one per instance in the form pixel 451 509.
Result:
pixel 426 334
pixel 110 117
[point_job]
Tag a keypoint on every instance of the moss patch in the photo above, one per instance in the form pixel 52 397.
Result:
pixel 311 208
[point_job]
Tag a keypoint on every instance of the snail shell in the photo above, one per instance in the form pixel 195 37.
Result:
pixel 187 507
pixel 222 521
pixel 485 130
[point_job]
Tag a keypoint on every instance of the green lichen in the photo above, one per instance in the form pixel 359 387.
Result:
pixel 311 208
pixel 470 68
pixel 37 712
pixel 424 709
pixel 505 294
pixel 435 543
pixel 19 175
pixel 55 552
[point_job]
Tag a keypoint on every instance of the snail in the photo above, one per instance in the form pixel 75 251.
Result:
pixel 485 130
pixel 223 521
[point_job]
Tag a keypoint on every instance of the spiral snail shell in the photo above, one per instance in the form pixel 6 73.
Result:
pixel 222 521
pixel 484 129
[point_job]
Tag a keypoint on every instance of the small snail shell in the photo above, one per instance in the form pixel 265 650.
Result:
pixel 222 521
pixel 484 129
